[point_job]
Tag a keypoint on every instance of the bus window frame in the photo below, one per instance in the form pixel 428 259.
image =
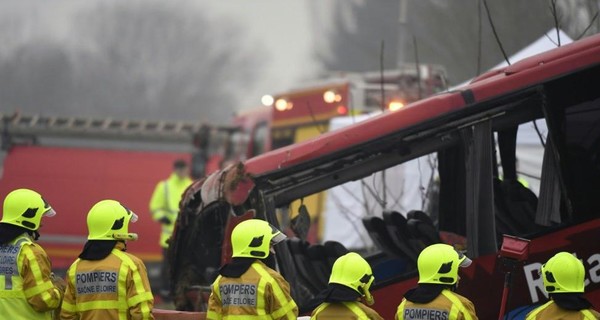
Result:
pixel 252 148
pixel 422 143
pixel 555 111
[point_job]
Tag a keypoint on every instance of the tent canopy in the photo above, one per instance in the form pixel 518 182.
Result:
pixel 546 42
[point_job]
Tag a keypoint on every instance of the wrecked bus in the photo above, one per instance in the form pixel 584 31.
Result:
pixel 471 133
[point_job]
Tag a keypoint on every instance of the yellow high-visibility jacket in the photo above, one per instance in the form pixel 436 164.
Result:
pixel 260 293
pixel 551 310
pixel 26 289
pixel 344 310
pixel 448 305
pixel 165 203
pixel 115 287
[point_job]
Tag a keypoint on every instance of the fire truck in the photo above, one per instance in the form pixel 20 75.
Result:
pixel 305 112
pixel 472 131
pixel 76 161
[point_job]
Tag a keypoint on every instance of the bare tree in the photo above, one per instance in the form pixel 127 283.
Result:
pixel 35 77
pixel 579 18
pixel 350 38
pixel 446 33
pixel 142 59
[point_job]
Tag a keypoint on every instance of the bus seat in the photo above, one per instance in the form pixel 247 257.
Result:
pixel 378 231
pixel 522 204
pixel 420 215
pixel 306 272
pixel 396 225
pixel 506 220
pixel 515 204
pixel 421 227
pixel 334 250
pixel 317 254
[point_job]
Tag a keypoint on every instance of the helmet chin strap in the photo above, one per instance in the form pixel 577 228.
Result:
pixel 368 297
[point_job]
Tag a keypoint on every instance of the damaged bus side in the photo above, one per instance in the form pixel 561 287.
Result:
pixel 472 135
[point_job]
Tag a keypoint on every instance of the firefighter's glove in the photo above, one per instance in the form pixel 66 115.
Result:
pixel 58 282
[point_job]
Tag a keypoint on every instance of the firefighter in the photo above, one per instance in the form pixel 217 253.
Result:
pixel 28 287
pixel 350 280
pixel 564 277
pixel 164 206
pixel 434 297
pixel 246 288
pixel 106 282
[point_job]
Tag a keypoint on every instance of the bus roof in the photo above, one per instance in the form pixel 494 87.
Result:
pixel 496 83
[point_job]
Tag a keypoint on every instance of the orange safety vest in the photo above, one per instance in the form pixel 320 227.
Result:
pixel 31 295
pixel 260 293
pixel 115 287
pixel 551 310
pixel 345 310
pixel 447 306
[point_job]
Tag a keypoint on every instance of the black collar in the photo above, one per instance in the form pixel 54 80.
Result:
pixel 97 249
pixel 338 293
pixel 425 292
pixel 8 232
pixel 236 268
pixel 571 301
pixel 334 293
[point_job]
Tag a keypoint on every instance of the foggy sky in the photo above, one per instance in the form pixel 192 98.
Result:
pixel 279 40
pixel 274 33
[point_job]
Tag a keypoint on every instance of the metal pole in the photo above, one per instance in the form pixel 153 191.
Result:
pixel 402 31
pixel 505 292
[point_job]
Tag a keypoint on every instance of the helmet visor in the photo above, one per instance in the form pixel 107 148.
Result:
pixel 278 236
pixel 463 260
pixel 134 216
pixel 49 213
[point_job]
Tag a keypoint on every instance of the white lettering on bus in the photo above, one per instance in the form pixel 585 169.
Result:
pixel 534 281
pixel 594 262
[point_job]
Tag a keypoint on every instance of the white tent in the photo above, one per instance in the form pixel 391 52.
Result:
pixel 347 204
pixel 546 42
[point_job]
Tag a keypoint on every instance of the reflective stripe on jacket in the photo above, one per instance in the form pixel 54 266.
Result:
pixel 260 293
pixel 447 306
pixel 165 203
pixel 115 287
pixel 344 310
pixel 26 291
pixel 551 310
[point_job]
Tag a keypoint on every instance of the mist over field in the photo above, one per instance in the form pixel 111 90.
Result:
pixel 201 60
